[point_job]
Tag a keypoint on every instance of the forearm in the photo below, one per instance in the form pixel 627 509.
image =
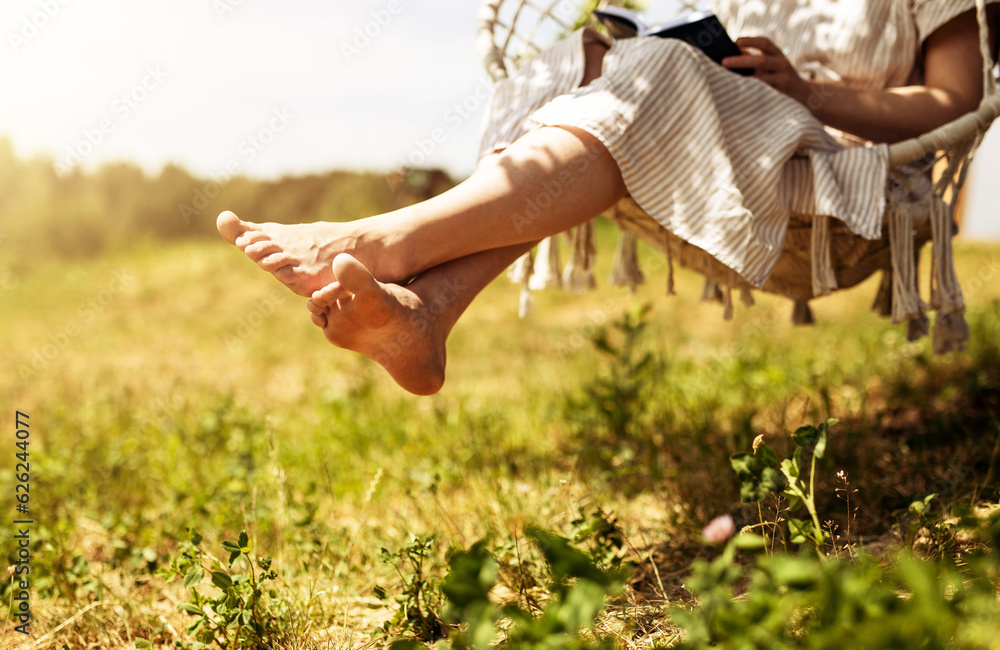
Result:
pixel 952 86
pixel 884 115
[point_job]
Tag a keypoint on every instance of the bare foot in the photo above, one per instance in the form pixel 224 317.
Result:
pixel 388 323
pixel 298 255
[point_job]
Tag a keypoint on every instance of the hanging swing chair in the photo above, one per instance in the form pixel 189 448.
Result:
pixel 820 254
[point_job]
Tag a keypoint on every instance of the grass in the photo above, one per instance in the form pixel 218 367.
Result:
pixel 172 387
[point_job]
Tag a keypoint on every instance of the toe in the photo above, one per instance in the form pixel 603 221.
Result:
pixel 251 237
pixel 231 227
pixel 275 261
pixel 330 294
pixel 353 275
pixel 315 308
pixel 261 249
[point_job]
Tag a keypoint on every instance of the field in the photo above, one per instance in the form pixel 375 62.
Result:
pixel 175 387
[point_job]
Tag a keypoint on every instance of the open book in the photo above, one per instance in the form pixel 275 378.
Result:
pixel 701 29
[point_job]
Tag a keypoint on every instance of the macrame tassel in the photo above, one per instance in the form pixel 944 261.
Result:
pixel 727 304
pixel 625 270
pixel 711 291
pixel 802 313
pixel 520 271
pixel 579 272
pixel 882 304
pixel 824 282
pixel 526 305
pixel 670 271
pixel 905 296
pixel 746 297
pixel 545 274
pixel 917 328
pixel 950 333
pixel 950 329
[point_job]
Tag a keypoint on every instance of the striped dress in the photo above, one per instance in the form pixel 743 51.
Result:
pixel 722 160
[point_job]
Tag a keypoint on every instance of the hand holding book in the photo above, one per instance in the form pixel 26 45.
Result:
pixel 769 64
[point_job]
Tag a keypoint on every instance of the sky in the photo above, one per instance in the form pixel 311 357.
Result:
pixel 266 88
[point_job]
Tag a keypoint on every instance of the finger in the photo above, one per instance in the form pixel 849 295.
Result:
pixel 751 61
pixel 319 320
pixel 314 308
pixel 762 43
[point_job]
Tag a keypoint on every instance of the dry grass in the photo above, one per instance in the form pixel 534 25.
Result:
pixel 200 395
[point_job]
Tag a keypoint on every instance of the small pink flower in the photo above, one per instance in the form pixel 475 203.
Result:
pixel 719 530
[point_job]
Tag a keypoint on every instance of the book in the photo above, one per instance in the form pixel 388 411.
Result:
pixel 700 29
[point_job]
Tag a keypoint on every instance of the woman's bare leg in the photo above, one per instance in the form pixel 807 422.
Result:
pixel 548 181
pixel 404 328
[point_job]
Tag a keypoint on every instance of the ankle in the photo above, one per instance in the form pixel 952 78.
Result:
pixel 390 250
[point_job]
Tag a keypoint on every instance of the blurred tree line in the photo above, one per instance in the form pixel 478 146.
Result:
pixel 118 205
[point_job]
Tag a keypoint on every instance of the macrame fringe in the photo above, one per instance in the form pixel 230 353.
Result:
pixel 578 275
pixel 917 328
pixel 905 296
pixel 545 272
pixel 711 292
pixel 950 329
pixel 670 269
pixel 727 304
pixel 526 305
pixel 882 305
pixel 824 281
pixel 898 293
pixel 625 271
pixel 520 273
pixel 802 313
